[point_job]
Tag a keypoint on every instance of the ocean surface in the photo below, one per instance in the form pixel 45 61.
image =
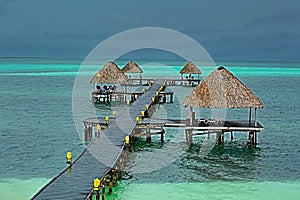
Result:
pixel 37 129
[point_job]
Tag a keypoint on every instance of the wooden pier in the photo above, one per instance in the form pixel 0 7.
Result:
pixel 76 182
pixel 110 139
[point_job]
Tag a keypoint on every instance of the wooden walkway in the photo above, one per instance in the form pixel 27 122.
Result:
pixel 76 182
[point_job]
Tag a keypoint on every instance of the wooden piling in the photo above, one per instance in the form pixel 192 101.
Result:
pixel 85 133
pixel 189 136
pixel 162 134
pixel 90 132
pixel 220 137
pixel 164 98
pixel 148 135
pixel 251 138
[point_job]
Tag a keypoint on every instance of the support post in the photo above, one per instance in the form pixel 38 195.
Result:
pixel 192 116
pixel 255 114
pixel 90 131
pixel 141 79
pixel 162 134
pixel 218 137
pixel 110 186
pixel 231 135
pixel 103 193
pixel 148 135
pixel 189 136
pixel 250 115
pixel 222 137
pixel 251 138
pixel 86 133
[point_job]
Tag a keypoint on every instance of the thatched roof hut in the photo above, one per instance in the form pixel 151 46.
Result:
pixel 221 89
pixel 111 74
pixel 190 68
pixel 132 67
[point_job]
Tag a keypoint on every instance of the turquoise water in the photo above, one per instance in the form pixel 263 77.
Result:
pixel 37 129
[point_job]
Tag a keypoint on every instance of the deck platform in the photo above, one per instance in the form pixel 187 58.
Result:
pixel 169 82
pixel 108 96
pixel 202 126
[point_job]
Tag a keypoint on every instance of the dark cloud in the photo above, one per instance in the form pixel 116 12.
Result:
pixel 230 30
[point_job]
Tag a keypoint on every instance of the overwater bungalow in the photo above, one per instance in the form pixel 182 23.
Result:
pixel 221 89
pixel 133 68
pixel 189 71
pixel 110 75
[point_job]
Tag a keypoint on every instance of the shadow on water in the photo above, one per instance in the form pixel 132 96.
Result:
pixel 232 162
pixel 235 161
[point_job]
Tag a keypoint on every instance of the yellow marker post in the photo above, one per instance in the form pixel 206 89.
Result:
pixel 156 93
pixel 98 128
pixel 115 114
pixel 128 102
pixel 69 157
pixel 126 139
pixel 96 184
pixel 153 99
pixel 106 119
pixel 143 114
pixel 143 90
pixel 137 119
pixel 147 107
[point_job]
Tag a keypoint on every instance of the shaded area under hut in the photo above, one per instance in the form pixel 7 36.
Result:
pixel 221 89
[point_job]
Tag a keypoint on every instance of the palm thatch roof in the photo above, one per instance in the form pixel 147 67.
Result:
pixel 221 89
pixel 190 68
pixel 111 74
pixel 132 67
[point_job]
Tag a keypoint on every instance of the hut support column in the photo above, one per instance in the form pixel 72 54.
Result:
pixel 255 117
pixel 141 79
pixel 192 116
pixel 249 115
pixel 189 136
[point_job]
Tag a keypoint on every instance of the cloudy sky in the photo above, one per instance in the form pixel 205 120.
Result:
pixel 256 30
